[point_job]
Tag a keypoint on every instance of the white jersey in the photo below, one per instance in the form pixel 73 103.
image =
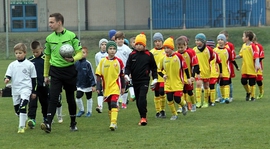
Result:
pixel 100 56
pixel 21 74
pixel 123 53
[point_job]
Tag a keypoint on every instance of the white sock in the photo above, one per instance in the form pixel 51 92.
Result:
pixel 124 98
pixel 80 104
pixel 131 92
pixel 22 119
pixel 89 105
pixel 100 101
pixel 59 111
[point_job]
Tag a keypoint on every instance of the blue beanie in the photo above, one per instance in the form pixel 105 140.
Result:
pixel 158 36
pixel 201 37
pixel 222 37
pixel 126 42
pixel 111 33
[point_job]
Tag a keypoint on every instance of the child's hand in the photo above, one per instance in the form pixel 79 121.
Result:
pixel 93 89
pixel 97 91
pixel 33 96
pixel 6 80
pixel 122 91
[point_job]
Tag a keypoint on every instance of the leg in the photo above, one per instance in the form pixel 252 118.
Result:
pixel 79 102
pixel 89 104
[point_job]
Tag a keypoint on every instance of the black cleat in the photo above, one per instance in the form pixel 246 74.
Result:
pixel 247 96
pixel 46 127
pixel 73 126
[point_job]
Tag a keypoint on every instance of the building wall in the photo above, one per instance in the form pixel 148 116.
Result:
pixel 2 18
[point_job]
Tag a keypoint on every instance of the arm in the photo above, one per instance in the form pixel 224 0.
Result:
pixel 128 65
pixel 78 48
pixel 153 66
pixel 235 65
pixel 34 85
pixel 196 69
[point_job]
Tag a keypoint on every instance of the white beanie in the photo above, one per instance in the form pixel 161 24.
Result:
pixel 101 41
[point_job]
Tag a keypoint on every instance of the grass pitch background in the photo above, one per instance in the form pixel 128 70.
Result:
pixel 237 125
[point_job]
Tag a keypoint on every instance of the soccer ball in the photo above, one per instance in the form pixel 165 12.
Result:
pixel 66 51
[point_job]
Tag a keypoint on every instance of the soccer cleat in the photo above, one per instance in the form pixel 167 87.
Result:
pixel 230 99
pixel 247 96
pixel 143 122
pixel 217 100
pixel 162 114
pixel 21 129
pixel 252 99
pixel 174 117
pixel 99 109
pixel 60 119
pixel 198 104
pixel 222 101
pixel 124 106
pixel 193 108
pixel 46 127
pixel 80 113
pixel 73 126
pixel 31 123
pixel 227 100
pixel 158 115
pixel 184 110
pixel 179 110
pixel 113 127
pixel 260 96
pixel 212 104
pixel 88 114
pixel 205 105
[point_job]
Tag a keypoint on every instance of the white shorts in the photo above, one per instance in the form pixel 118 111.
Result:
pixel 25 95
pixel 85 90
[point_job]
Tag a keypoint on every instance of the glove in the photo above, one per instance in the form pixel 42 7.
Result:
pixel 153 84
pixel 127 78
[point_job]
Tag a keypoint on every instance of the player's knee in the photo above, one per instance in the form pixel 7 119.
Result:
pixel 243 81
pixel 88 95
pixel 23 106
pixel 190 93
pixel 16 108
pixel 113 104
pixel 252 81
pixel 177 99
pixel 79 94
pixel 259 83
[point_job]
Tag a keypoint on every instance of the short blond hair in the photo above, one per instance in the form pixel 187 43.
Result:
pixel 20 47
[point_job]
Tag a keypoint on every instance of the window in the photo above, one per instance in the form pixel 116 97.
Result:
pixel 24 18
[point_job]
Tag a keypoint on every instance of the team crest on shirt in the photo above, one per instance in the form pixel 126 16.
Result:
pixel 175 59
pixel 115 64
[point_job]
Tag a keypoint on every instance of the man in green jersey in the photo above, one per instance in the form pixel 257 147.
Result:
pixel 61 70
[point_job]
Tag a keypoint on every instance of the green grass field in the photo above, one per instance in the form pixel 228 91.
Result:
pixel 239 124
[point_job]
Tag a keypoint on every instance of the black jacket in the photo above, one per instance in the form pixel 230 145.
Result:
pixel 139 65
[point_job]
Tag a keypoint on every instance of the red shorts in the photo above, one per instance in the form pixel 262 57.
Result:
pixel 246 76
pixel 111 98
pixel 176 93
pixel 259 78
pixel 213 80
pixel 188 87
pixel 158 86
pixel 204 80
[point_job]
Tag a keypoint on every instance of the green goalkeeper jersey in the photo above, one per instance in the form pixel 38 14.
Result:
pixel 53 43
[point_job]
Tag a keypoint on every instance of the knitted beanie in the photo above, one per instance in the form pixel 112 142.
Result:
pixel 169 43
pixel 158 36
pixel 111 33
pixel 126 42
pixel 109 44
pixel 210 43
pixel 101 41
pixel 185 38
pixel 222 37
pixel 201 37
pixel 140 39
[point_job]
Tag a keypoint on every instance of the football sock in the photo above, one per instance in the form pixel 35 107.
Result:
pixel 162 102
pixel 222 90
pixel 114 114
pixel 252 91
pixel 59 111
pixel 192 99
pixel 206 95
pixel 100 101
pixel 172 107
pixel 157 104
pixel 22 119
pixel 80 104
pixel 227 91
pixel 109 114
pixel 261 90
pixel 124 98
pixel 198 95
pixel 183 102
pixel 89 105
pixel 212 95
pixel 246 87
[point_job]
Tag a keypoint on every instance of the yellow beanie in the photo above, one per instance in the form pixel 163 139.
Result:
pixel 140 39
pixel 169 43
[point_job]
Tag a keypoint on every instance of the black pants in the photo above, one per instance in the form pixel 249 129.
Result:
pixel 141 90
pixel 66 78
pixel 42 96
